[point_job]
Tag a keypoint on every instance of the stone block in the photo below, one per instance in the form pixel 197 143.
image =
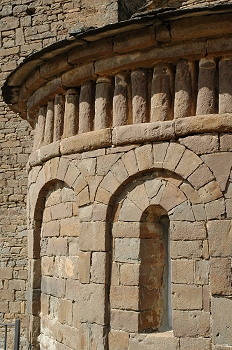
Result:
pixel 130 162
pixel 57 246
pixel 226 142
pixel 143 132
pixel 188 163
pixel 84 267
pixel 91 51
pixel 53 286
pixel 159 152
pixel 94 236
pixel 215 209
pixel 86 142
pixel 195 344
pixel 100 267
pixel 47 265
pixel 210 192
pixel 220 238
pixel 127 249
pixel 134 40
pixel 70 227
pixel 124 297
pixel 220 276
pixel 191 323
pixel 200 177
pixel 124 320
pixel 54 66
pixel 129 211
pixel 171 191
pixel 186 249
pixel 6 273
pixel 158 341
pixel 130 274
pixel 220 164
pixel 201 272
pixel 118 340
pixel 187 231
pixel 78 75
pixel 221 321
pixel 72 289
pixel 72 174
pixel 186 297
pixel 89 295
pixel 43 94
pixel 173 156
pixel 183 271
pixel 110 183
pixel 49 151
pixel 65 311
pixel 70 336
pixel 190 193
pixel 51 229
pixel 201 144
pixel 61 211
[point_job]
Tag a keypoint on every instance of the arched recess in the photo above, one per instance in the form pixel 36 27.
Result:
pixel 53 275
pixel 154 226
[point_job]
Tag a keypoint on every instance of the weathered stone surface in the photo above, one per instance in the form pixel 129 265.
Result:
pixel 187 231
pixel 201 144
pixel 118 340
pixel 92 294
pixel 186 297
pixel 221 326
pixel 220 164
pixel 195 344
pixel 86 141
pixel 206 87
pixel 183 271
pixel 219 233
pixel 220 276
pixel 144 132
pixel 164 341
pixel 191 323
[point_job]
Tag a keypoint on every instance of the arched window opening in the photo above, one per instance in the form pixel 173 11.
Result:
pixel 140 292
pixel 155 277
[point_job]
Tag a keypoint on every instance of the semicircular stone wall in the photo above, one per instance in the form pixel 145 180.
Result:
pixel 129 191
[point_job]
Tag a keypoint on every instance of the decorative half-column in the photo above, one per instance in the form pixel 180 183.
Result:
pixel 120 107
pixel 225 86
pixel 71 113
pixel 161 93
pixel 206 86
pixel 103 103
pixel 139 96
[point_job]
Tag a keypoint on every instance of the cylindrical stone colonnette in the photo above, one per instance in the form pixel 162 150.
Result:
pixel 161 93
pixel 49 123
pixel 86 108
pixel 39 128
pixel 120 100
pixel 206 87
pixel 71 113
pixel 184 94
pixel 58 117
pixel 139 96
pixel 103 103
pixel 225 85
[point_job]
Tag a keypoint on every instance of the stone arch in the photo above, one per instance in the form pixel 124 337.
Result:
pixel 57 169
pixel 53 257
pixel 148 193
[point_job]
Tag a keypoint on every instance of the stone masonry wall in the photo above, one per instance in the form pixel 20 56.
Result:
pixel 25 27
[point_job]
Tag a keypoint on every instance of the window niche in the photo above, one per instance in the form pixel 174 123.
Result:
pixel 140 292
pixel 154 276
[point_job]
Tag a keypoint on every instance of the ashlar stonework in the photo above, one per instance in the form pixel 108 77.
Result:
pixel 129 183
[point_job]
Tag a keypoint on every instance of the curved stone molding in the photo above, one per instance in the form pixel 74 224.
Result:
pixel 132 134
